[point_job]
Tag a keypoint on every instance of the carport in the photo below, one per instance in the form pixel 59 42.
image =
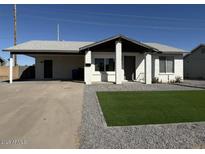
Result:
pixel 54 60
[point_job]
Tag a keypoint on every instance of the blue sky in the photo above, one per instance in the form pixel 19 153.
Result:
pixel 182 26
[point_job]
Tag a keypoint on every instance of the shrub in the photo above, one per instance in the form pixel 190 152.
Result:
pixel 155 80
pixel 172 81
pixel 178 79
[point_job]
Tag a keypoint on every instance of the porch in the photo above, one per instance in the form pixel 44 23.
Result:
pixel 118 60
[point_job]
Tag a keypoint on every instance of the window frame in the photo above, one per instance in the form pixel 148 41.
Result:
pixel 107 60
pixel 166 58
pixel 104 63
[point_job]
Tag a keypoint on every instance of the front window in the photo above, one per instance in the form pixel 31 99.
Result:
pixel 166 64
pixel 99 64
pixel 104 64
pixel 109 64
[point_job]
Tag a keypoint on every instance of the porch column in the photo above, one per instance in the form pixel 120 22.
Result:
pixel 118 62
pixel 148 68
pixel 87 67
pixel 11 68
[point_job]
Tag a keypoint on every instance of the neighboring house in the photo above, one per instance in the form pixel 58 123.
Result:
pixel 116 59
pixel 2 61
pixel 194 63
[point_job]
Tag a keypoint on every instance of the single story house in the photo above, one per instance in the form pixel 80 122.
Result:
pixel 116 59
pixel 194 63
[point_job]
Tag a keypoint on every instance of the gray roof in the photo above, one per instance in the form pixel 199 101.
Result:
pixel 165 48
pixel 49 46
pixel 76 46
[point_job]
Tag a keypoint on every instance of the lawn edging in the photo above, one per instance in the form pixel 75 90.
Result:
pixel 102 117
pixel 138 126
pixel 104 121
pixel 159 125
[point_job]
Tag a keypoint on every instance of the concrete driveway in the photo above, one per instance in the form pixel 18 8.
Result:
pixel 40 114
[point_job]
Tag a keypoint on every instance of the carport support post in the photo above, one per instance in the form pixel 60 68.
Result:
pixel 118 62
pixel 11 68
pixel 87 67
pixel 148 68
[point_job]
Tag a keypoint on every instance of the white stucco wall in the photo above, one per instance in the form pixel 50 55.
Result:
pixel 118 62
pixel 166 77
pixel 87 69
pixel 110 76
pixel 148 68
pixel 194 64
pixel 140 67
pixel 101 76
pixel 62 65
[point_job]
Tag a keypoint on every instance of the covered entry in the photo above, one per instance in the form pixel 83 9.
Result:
pixel 54 60
pixel 129 56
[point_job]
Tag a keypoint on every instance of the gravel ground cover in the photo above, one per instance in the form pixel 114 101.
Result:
pixel 96 134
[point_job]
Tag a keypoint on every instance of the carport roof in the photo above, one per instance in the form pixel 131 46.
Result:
pixel 39 46
pixel 48 46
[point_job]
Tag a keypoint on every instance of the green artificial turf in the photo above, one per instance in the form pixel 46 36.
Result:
pixel 156 107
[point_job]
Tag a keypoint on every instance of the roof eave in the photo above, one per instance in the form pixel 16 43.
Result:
pixel 33 50
pixel 118 37
pixel 172 52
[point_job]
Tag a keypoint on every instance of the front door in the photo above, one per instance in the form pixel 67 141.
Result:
pixel 48 69
pixel 129 67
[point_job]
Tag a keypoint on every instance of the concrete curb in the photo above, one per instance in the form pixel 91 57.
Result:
pixel 102 117
pixel 138 126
